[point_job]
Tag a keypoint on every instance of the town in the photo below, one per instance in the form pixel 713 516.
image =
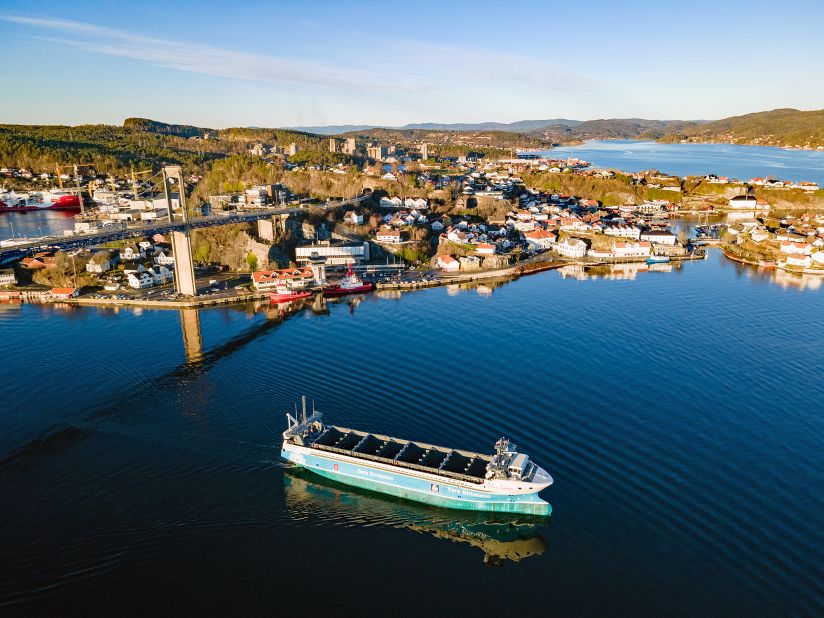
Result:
pixel 413 218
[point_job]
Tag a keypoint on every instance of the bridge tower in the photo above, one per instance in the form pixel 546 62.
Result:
pixel 181 241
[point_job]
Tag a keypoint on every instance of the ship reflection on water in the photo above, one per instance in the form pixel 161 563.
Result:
pixel 502 537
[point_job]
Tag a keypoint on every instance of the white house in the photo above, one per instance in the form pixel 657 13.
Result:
pixel 799 260
pixel 139 281
pixel 632 249
pixel 161 257
pixel 131 253
pixel 161 275
pixel 659 237
pixel 353 217
pixel 101 262
pixel 623 231
pixel 571 247
pixel 448 263
pixel 485 248
pixel 540 239
pixel 801 248
pixel 388 235
pixel 744 201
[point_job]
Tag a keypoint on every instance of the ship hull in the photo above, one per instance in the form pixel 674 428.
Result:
pixel 436 491
pixel 286 298
pixel 337 291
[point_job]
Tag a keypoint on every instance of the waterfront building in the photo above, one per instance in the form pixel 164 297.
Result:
pixel 798 260
pixel 448 263
pixel 802 248
pixel 139 280
pixel 7 277
pixel 336 253
pixel 540 239
pixel 289 278
pixel 485 248
pixel 659 237
pixel 63 293
pixel 571 247
pixel 632 249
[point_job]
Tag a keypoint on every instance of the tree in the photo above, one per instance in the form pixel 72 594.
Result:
pixel 252 262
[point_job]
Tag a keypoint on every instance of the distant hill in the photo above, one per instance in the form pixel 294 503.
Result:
pixel 779 127
pixel 517 126
pixel 154 126
pixel 451 141
pixel 611 128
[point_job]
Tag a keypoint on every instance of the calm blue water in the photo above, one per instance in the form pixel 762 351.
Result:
pixel 680 413
pixel 742 162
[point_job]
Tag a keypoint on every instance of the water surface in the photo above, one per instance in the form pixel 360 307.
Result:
pixel 733 161
pixel 679 412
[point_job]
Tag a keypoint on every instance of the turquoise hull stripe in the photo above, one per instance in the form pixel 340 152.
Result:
pixel 438 493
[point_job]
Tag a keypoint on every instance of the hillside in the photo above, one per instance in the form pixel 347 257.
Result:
pixel 779 127
pixel 482 140
pixel 517 126
pixel 140 142
pixel 611 128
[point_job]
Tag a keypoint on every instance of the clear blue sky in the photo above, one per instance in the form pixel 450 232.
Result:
pixel 269 63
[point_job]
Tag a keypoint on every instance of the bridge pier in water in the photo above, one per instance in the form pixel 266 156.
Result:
pixel 192 339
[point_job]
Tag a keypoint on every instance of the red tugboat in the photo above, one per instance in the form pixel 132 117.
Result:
pixel 350 284
pixel 283 294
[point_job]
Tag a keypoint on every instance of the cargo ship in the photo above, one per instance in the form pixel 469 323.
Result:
pixel 506 481
pixel 11 201
pixel 350 284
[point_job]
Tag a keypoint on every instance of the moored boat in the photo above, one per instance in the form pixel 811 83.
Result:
pixel 507 481
pixel 285 295
pixel 350 284
pixel 54 199
pixel 658 259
